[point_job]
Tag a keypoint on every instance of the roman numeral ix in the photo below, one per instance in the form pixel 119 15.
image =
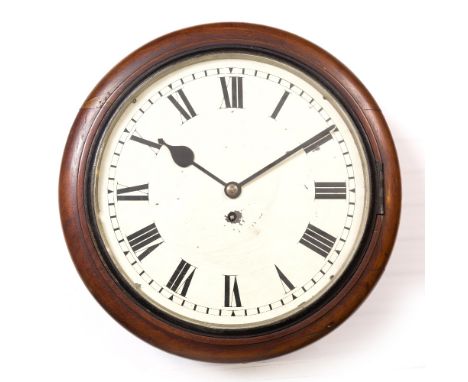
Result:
pixel 143 241
pixel 236 98
pixel 317 240
pixel 186 111
pixel 330 190
pixel 134 193
pixel 181 278
pixel 231 291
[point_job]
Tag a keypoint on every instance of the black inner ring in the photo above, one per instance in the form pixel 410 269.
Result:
pixel 241 332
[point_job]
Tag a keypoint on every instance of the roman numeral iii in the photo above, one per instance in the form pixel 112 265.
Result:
pixel 144 240
pixel 134 193
pixel 181 278
pixel 186 111
pixel 317 240
pixel 236 98
pixel 231 291
pixel 330 190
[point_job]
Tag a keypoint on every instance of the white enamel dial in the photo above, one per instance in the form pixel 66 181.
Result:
pixel 255 251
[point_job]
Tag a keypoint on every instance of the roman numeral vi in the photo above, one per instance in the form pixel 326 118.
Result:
pixel 231 291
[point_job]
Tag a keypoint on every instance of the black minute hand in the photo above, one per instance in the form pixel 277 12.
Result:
pixel 308 145
pixel 183 156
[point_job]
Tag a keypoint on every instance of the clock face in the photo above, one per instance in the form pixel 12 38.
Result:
pixel 230 190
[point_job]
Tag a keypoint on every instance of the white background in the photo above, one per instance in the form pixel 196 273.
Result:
pixel 409 55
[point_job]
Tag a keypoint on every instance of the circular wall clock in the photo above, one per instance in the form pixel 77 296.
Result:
pixel 230 192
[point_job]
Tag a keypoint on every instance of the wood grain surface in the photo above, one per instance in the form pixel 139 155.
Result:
pixel 107 288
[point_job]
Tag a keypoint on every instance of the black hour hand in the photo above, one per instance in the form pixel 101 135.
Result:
pixel 183 156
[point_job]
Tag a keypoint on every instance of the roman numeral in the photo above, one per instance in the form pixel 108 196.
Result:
pixel 231 291
pixel 330 190
pixel 133 193
pixel 187 112
pixel 234 100
pixel 287 285
pixel 281 102
pixel 181 278
pixel 145 142
pixel 143 241
pixel 320 139
pixel 318 240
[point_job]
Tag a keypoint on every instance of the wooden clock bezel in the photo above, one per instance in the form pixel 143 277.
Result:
pixel 226 346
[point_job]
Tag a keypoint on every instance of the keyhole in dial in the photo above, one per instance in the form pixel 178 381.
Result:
pixel 233 217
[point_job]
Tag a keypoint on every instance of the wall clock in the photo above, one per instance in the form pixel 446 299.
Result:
pixel 230 192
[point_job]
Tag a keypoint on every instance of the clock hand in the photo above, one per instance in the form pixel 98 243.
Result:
pixel 183 156
pixel 315 139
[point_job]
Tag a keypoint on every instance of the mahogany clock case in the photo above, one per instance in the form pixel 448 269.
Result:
pixel 151 324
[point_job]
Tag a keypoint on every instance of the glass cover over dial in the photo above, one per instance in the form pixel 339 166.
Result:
pixel 230 190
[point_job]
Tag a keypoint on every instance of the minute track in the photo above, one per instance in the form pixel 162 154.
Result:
pixel 193 303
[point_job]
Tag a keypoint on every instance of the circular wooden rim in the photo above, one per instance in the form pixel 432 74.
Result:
pixel 229 347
